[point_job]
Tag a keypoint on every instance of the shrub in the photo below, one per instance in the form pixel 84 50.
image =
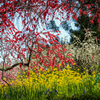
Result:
pixel 86 54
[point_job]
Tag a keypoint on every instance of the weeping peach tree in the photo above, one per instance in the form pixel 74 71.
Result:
pixel 33 14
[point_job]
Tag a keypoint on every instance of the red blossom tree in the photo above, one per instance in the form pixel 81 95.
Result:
pixel 33 12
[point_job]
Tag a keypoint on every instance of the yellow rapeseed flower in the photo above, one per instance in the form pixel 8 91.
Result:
pixel 50 67
pixel 40 69
pixel 74 63
pixel 87 70
pixel 94 77
pixel 93 72
pixel 60 64
pixel 84 68
pixel 68 67
pixel 55 69
pixel 92 82
pixel 35 66
pixel 98 85
pixel 48 70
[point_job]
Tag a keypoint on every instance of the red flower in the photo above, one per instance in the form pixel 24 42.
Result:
pixel 69 54
pixel 47 46
pixel 28 73
pixel 53 61
pixel 96 39
pixel 20 65
pixel 59 69
pixel 87 36
pixel 31 67
pixel 91 21
pixel 36 71
pixel 92 56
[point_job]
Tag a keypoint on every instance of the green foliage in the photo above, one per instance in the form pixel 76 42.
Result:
pixel 96 68
pixel 52 25
pixel 65 25
pixel 84 22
